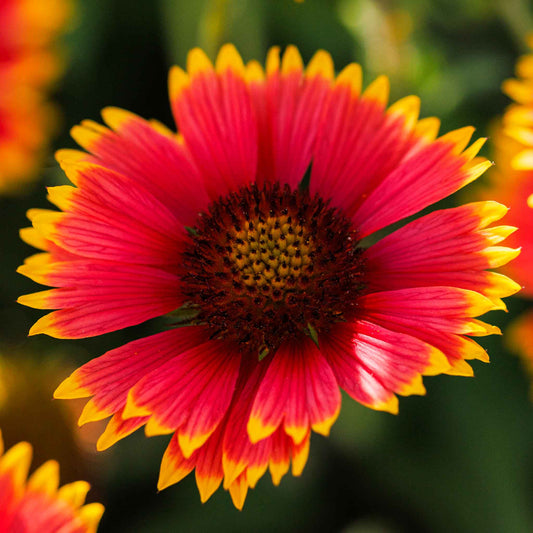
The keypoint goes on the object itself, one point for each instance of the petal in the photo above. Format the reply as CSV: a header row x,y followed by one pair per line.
x,y
289,106
117,428
239,453
431,173
207,461
419,253
190,393
110,377
359,143
283,449
98,297
300,390
372,363
110,217
154,160
436,315
214,113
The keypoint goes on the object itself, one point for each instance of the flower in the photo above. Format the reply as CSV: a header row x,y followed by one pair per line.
x,y
512,182
28,64
249,224
37,505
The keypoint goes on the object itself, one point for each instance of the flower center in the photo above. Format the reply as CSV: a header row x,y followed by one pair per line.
x,y
265,264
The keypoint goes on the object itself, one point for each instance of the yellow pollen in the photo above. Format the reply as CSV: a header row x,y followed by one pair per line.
x,y
272,254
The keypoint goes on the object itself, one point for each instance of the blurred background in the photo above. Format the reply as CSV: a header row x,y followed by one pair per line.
x,y
459,459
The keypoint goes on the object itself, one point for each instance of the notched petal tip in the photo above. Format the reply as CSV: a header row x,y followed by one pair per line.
x,y
116,117
321,64
134,410
45,479
17,462
324,427
62,196
178,81
171,471
92,413
198,62
352,77
154,428
238,491
229,59
428,128
207,486
415,387
257,430
46,325
460,368
190,443
90,515
408,108
297,433
74,493
458,138
273,60
498,256
391,405
254,72
291,61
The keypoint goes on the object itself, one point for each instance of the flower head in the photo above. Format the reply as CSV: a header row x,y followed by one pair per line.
x,y
28,63
37,505
253,224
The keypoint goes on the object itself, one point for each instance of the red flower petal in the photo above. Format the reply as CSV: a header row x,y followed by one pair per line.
x,y
98,297
189,393
289,106
298,389
372,363
155,159
214,113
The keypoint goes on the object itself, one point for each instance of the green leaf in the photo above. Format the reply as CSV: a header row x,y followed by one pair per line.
x,y
263,353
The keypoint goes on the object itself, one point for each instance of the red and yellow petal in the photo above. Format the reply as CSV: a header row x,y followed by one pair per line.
x,y
95,298
418,254
373,363
156,161
299,390
110,377
213,111
190,393
439,316
288,105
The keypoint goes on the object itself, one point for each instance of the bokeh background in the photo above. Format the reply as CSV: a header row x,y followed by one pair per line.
x,y
459,459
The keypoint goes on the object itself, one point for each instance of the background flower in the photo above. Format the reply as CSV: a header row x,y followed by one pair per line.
x,y
29,62
512,181
37,504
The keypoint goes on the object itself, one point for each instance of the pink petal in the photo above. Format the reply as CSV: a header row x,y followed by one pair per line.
x,y
152,159
214,113
191,392
300,390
